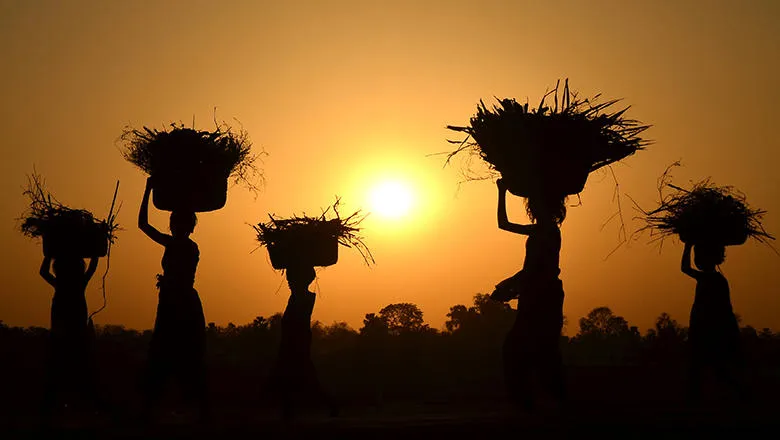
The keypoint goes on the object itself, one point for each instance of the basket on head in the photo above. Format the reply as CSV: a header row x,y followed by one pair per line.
x,y
83,241
66,232
552,148
311,241
307,249
191,168
565,179
707,215
196,190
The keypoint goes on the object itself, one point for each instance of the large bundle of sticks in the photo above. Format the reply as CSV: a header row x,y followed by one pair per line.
x,y
550,149
191,168
66,232
311,241
706,214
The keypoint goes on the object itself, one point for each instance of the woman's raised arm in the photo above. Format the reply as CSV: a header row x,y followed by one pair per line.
x,y
503,220
685,265
143,218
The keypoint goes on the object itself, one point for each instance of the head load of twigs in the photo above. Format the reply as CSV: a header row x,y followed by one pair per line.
x,y
225,151
61,226
309,239
705,214
551,142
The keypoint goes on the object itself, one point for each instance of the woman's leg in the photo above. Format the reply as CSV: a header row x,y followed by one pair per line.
x,y
695,370
158,368
517,368
194,379
52,379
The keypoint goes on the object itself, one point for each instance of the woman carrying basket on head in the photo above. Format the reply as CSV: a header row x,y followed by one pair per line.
x,y
178,342
533,342
297,245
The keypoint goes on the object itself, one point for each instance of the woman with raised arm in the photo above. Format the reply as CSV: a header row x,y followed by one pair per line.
x,y
533,342
178,341
713,331
70,364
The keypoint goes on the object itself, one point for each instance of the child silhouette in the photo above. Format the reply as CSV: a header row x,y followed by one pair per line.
x,y
713,331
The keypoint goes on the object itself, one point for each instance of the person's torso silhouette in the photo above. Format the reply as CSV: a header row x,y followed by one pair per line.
x,y
179,263
296,325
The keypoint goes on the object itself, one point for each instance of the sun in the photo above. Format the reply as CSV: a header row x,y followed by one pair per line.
x,y
391,199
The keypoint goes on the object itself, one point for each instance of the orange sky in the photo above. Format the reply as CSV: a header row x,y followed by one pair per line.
x,y
344,94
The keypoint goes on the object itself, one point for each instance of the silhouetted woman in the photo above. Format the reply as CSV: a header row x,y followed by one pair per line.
x,y
533,342
178,342
294,377
70,366
713,333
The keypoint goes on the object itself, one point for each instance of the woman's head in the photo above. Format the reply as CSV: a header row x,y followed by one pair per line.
x,y
183,222
706,256
546,209
299,277
65,267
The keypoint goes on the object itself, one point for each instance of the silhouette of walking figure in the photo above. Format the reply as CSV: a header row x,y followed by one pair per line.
x,y
294,376
70,367
177,347
714,332
533,342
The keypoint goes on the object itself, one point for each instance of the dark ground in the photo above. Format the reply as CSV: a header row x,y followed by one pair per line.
x,y
604,403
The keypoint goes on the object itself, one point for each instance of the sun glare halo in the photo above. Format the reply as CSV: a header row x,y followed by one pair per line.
x,y
391,199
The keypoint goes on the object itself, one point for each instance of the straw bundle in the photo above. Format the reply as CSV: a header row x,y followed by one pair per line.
x,y
550,149
191,168
311,240
223,150
707,214
65,231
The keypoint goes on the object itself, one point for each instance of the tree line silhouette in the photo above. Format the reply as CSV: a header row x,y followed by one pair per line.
x,y
396,357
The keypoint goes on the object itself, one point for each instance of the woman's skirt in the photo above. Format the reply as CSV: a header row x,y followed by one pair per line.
x,y
180,327
714,338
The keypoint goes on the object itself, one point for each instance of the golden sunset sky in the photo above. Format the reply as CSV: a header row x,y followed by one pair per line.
x,y
347,95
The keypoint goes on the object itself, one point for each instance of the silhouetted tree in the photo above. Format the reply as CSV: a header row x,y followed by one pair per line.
x,y
606,338
373,325
666,327
486,318
403,318
603,323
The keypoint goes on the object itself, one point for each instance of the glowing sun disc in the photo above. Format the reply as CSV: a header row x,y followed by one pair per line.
x,y
391,199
